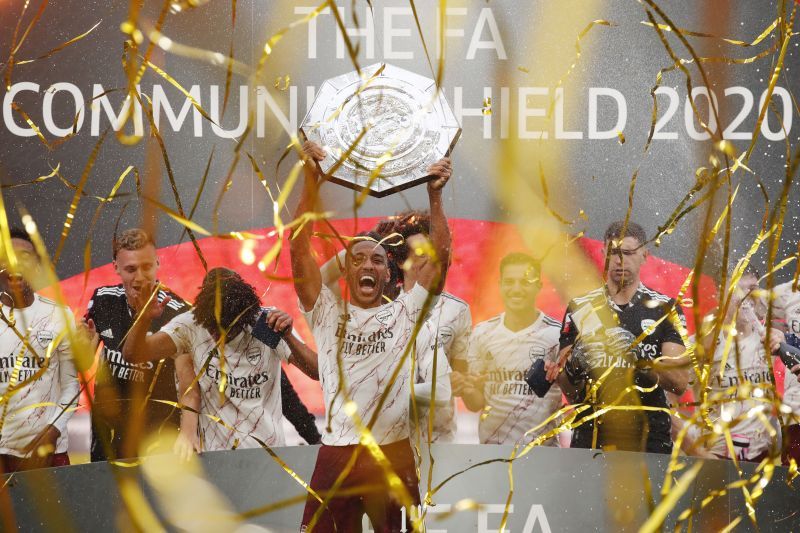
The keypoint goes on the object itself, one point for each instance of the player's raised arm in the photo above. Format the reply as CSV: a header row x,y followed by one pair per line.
x,y
432,274
139,346
307,278
567,378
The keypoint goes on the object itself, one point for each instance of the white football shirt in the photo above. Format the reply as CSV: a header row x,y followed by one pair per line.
x,y
502,357
50,391
450,324
250,407
359,351
429,353
750,436
786,306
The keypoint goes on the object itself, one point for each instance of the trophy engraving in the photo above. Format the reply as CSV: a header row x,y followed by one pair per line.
x,y
381,129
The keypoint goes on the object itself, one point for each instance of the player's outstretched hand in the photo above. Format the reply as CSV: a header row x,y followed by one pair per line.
x,y
43,446
776,337
475,382
458,382
441,171
313,151
88,331
702,453
149,307
186,445
551,369
279,321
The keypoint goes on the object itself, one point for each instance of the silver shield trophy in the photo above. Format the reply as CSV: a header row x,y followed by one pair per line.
x,y
392,122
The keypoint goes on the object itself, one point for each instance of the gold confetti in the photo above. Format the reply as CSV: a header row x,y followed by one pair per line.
x,y
282,82
487,106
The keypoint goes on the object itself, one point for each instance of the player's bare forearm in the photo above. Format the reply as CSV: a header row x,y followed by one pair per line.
x,y
440,229
306,274
140,347
303,357
672,368
567,387
189,397
472,392
555,373
189,422
675,381
188,390
433,273
190,419
332,272
473,399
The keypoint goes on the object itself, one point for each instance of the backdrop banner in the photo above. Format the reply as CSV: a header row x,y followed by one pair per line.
x,y
562,96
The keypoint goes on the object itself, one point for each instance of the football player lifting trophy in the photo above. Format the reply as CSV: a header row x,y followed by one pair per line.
x,y
380,128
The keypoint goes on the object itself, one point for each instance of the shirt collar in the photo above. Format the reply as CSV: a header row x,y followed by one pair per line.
x,y
635,299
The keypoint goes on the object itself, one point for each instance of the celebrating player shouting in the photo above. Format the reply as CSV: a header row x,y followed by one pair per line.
x,y
361,345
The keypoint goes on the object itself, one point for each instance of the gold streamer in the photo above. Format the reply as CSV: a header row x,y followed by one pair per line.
x,y
61,46
15,44
73,207
767,31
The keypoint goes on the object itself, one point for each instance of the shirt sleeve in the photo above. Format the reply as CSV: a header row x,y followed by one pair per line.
x,y
67,381
779,294
176,306
324,311
414,301
669,330
475,361
430,355
90,310
181,330
461,335
569,331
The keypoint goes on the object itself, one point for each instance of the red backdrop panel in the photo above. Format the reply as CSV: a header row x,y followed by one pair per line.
x,y
474,276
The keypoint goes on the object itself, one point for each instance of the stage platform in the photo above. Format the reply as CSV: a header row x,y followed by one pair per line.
x,y
553,490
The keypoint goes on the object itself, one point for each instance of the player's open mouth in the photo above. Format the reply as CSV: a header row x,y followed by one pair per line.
x,y
367,281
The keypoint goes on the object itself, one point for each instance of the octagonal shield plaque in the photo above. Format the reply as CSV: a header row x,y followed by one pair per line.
x,y
381,129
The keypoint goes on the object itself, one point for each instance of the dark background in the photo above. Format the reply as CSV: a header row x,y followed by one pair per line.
x,y
593,176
